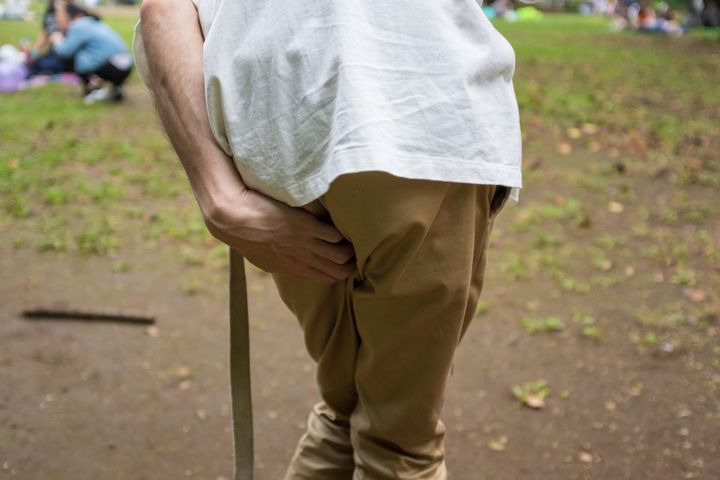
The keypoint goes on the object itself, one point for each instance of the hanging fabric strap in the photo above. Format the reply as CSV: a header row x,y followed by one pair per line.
x,y
240,370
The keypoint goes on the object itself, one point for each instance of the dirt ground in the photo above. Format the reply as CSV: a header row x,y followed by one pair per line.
x,y
82,400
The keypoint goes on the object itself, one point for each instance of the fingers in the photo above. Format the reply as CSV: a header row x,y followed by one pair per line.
x,y
323,231
338,271
327,241
339,253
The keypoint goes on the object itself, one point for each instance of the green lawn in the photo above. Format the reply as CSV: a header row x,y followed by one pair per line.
x,y
69,172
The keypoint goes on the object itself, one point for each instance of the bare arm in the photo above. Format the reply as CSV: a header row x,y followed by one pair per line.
x,y
268,233
40,42
173,43
61,15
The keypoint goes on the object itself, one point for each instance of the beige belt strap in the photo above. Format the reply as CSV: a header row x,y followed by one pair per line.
x,y
240,370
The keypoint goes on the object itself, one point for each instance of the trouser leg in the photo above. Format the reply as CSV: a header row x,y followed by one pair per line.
x,y
85,78
418,246
107,72
112,74
324,451
50,64
385,341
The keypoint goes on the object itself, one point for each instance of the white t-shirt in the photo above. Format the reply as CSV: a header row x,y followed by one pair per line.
x,y
300,92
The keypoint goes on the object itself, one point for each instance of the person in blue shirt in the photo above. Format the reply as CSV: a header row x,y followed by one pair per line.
x,y
40,60
95,49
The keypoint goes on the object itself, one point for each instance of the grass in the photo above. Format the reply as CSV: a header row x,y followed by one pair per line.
x,y
549,324
620,169
648,95
532,394
60,157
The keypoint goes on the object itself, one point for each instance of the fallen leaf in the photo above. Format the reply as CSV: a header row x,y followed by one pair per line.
x,y
564,148
590,128
695,294
182,373
585,457
532,305
535,401
499,444
573,133
605,265
684,412
694,164
559,200
532,394
616,207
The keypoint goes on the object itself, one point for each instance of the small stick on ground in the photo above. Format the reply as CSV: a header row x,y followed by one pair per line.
x,y
60,313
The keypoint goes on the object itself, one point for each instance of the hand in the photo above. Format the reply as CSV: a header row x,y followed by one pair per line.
x,y
282,239
56,37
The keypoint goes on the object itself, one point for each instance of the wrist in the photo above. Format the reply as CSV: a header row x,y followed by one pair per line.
x,y
223,205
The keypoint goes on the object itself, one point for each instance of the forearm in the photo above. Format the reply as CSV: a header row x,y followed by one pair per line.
x,y
41,41
269,233
174,47
61,16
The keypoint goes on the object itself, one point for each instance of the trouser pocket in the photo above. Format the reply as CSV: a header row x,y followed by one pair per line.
x,y
502,194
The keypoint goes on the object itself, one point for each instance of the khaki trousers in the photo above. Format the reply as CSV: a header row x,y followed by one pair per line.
x,y
384,340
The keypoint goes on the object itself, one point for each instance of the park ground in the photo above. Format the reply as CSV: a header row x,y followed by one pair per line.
x,y
594,353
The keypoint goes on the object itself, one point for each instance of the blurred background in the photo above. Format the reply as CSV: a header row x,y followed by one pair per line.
x,y
594,353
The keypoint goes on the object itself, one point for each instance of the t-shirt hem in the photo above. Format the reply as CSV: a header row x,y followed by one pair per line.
x,y
411,166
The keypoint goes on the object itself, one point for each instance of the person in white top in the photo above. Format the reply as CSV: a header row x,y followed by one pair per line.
x,y
360,151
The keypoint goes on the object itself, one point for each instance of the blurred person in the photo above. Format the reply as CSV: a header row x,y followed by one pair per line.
x,y
15,9
669,24
647,19
502,7
360,152
632,14
600,6
41,58
665,23
710,16
95,49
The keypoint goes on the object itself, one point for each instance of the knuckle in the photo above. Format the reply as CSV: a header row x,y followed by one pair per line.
x,y
334,236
